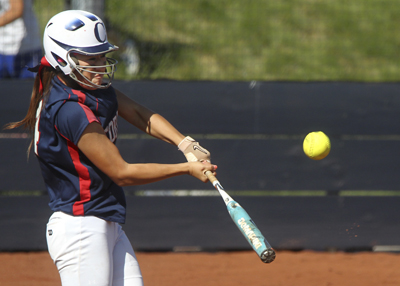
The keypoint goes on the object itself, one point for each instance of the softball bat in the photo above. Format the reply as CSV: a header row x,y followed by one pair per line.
x,y
245,224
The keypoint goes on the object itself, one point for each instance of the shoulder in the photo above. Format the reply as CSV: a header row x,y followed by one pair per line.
x,y
61,93
73,111
58,91
72,118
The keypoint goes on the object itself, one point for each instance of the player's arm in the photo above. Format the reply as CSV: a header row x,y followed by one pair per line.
x,y
147,121
15,11
105,155
157,126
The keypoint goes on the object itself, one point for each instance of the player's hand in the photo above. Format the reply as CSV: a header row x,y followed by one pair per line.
x,y
193,151
198,169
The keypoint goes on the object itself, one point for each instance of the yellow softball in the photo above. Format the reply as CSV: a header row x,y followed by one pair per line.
x,y
317,145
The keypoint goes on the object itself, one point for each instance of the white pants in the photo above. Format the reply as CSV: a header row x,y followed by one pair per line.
x,y
91,251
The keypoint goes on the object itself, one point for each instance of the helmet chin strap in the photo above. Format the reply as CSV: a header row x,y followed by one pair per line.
x,y
80,69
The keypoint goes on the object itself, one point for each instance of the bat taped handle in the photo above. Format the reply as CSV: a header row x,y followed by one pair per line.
x,y
211,177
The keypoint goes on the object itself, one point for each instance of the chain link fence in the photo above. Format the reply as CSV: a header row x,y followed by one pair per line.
x,y
236,40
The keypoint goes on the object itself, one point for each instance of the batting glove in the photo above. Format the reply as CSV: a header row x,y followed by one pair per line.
x,y
193,151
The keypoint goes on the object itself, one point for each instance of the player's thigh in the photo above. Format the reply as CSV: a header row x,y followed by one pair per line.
x,y
126,267
81,248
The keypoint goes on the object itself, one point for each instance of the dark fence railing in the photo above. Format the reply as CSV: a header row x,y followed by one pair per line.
x,y
254,131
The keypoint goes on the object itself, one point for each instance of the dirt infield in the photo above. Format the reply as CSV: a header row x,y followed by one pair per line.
x,y
227,268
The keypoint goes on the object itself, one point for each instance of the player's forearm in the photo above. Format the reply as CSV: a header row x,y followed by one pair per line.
x,y
160,128
16,11
140,174
147,120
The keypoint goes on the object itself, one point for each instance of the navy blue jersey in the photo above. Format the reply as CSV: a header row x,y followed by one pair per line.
x,y
75,185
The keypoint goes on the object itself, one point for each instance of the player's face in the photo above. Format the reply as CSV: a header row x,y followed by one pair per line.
x,y
91,71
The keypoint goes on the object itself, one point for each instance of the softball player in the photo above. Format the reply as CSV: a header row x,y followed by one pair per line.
x,y
73,119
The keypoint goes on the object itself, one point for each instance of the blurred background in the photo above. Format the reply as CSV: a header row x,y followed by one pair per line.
x,y
249,80
233,40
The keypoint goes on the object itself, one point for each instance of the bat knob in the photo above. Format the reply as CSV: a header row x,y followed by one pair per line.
x,y
268,255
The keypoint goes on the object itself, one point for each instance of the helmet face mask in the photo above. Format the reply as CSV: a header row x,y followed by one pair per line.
x,y
108,71
78,32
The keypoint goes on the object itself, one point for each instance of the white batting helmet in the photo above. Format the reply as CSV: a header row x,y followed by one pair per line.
x,y
76,31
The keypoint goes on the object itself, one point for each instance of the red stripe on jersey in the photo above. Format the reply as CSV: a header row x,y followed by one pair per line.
x,y
89,114
80,94
81,101
84,180
83,172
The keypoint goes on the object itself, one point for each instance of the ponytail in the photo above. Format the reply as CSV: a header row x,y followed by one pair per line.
x,y
41,89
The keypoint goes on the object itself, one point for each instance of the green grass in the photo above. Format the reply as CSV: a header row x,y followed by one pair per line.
x,y
378,193
22,193
289,40
45,9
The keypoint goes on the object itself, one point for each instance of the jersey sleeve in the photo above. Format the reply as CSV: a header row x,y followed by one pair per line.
x,y
72,119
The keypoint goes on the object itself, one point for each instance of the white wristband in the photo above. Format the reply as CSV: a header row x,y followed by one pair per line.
x,y
185,143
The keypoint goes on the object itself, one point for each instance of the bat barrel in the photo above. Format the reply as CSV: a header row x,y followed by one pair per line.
x,y
245,224
251,232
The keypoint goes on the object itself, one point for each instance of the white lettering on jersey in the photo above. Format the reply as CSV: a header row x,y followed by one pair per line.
x,y
37,133
112,129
